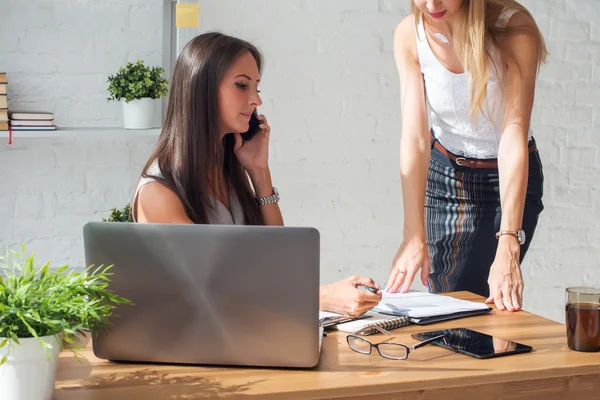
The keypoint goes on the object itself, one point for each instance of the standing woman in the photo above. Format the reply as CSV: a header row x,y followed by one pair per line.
x,y
474,64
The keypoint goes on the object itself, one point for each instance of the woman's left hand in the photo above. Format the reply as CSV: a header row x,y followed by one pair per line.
x,y
254,154
505,279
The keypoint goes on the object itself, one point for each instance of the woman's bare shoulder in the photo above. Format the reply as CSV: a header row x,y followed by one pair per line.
x,y
405,37
156,203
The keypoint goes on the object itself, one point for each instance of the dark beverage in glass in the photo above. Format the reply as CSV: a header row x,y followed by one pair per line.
x,y
583,318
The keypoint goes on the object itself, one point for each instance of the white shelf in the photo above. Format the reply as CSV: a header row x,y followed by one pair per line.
x,y
84,133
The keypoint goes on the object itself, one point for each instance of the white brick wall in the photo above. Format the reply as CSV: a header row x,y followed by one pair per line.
x,y
330,91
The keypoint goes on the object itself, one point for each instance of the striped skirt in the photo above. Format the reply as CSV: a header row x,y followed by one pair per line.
x,y
463,214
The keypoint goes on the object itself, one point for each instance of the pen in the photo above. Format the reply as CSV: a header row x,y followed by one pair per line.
x,y
370,289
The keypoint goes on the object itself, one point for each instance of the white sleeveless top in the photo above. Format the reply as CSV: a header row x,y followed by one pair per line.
x,y
448,98
219,215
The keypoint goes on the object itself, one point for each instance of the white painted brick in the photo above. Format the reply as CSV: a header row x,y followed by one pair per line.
x,y
363,43
10,38
394,7
140,152
569,31
331,93
545,8
34,205
581,157
581,176
69,179
7,205
566,72
101,17
583,52
20,16
40,41
334,6
588,94
582,139
581,10
596,73
568,117
141,18
595,35
571,195
544,25
548,92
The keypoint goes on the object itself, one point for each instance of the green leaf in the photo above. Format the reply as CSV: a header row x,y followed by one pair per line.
x,y
136,81
36,302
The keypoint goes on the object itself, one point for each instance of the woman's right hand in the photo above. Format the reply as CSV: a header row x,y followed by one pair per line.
x,y
411,256
343,297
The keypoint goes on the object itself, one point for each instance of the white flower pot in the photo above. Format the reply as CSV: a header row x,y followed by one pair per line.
x,y
29,374
138,114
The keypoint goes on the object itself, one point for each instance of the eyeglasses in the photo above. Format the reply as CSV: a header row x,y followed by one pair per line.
x,y
390,350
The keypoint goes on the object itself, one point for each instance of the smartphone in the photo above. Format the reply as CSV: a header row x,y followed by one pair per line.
x,y
253,129
473,343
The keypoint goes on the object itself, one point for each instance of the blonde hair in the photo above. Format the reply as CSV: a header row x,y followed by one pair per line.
x,y
476,35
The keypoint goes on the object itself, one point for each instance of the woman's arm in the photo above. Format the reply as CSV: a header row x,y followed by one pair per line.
x,y
343,297
415,144
157,204
261,180
506,284
414,160
254,156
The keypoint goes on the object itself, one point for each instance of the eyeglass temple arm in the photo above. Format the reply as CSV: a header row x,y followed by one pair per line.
x,y
426,342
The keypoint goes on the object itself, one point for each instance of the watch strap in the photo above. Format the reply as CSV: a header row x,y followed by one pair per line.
x,y
272,199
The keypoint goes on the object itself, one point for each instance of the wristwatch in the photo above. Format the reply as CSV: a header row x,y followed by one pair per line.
x,y
519,234
272,199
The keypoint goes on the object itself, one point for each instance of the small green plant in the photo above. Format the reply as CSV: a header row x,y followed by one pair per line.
x,y
136,81
37,302
117,215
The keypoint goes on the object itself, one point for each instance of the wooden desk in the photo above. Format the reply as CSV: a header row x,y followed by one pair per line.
x,y
550,372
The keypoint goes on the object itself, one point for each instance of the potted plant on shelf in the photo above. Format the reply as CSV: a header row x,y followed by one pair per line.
x,y
40,309
137,86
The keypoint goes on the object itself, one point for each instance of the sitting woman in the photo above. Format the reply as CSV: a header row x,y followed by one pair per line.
x,y
200,169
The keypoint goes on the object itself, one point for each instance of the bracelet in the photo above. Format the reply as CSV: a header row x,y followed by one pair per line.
x,y
272,199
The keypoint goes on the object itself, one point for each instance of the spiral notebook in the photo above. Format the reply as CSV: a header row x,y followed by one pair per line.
x,y
373,318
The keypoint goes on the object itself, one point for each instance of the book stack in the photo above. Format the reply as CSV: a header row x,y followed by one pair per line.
x,y
3,103
32,121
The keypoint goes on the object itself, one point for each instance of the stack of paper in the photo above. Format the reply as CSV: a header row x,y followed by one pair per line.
x,y
425,307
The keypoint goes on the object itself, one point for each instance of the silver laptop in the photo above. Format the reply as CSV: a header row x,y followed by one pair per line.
x,y
209,294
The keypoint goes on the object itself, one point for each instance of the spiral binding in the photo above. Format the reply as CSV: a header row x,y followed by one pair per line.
x,y
389,324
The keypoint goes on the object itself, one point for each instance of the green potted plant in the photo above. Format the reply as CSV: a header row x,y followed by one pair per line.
x,y
120,215
40,309
137,85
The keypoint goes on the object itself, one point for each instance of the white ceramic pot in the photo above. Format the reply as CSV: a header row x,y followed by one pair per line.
x,y
29,374
138,114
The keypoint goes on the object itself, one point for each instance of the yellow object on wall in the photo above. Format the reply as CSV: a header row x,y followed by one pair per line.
x,y
186,15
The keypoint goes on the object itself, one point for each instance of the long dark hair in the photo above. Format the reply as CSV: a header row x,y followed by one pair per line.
x,y
190,150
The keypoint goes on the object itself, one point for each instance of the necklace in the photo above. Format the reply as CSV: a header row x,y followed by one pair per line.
x,y
441,37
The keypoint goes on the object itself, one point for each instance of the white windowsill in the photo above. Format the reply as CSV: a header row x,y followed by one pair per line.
x,y
85,133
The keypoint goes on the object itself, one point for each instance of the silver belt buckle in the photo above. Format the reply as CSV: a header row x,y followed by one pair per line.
x,y
460,160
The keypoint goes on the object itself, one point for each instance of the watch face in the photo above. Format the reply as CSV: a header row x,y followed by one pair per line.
x,y
521,235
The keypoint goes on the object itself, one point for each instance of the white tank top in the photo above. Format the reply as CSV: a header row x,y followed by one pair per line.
x,y
448,98
219,215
